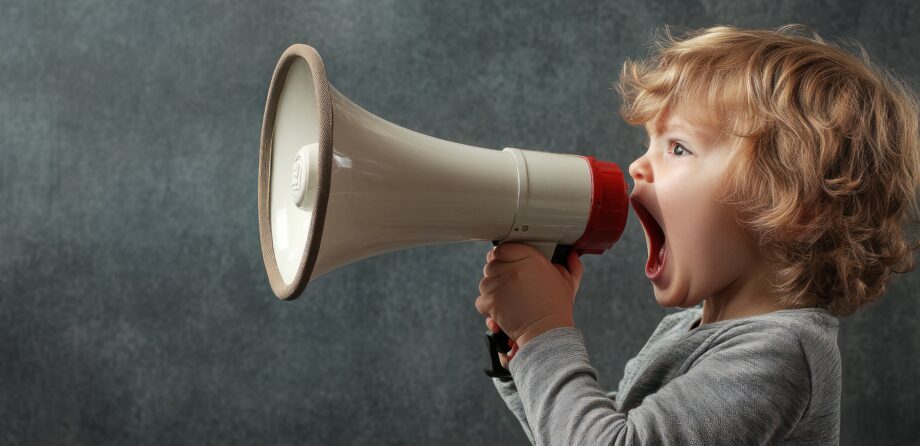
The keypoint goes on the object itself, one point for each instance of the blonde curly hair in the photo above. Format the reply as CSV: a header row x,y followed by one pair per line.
x,y
826,173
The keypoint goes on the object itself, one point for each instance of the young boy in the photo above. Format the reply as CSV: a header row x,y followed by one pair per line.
x,y
779,173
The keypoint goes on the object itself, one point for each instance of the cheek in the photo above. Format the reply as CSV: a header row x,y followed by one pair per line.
x,y
696,239
693,215
707,245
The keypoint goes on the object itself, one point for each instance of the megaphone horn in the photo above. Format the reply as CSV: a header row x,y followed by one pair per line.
x,y
338,184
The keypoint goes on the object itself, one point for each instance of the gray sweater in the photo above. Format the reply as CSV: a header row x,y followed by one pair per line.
x,y
767,379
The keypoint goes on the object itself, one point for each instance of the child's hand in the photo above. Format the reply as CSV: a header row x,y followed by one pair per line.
x,y
503,358
525,294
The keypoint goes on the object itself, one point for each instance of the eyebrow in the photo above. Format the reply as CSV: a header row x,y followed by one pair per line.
x,y
695,135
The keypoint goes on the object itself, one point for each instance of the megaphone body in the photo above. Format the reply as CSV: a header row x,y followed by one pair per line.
x,y
338,184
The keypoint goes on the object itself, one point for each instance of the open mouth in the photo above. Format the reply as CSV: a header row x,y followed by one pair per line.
x,y
655,238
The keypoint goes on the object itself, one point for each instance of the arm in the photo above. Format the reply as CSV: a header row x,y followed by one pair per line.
x,y
749,387
509,393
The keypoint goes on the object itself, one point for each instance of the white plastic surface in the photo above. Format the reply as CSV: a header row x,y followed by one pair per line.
x,y
304,167
555,198
393,188
295,128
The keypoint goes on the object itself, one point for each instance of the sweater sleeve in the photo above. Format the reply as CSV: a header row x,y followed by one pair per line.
x,y
748,387
509,393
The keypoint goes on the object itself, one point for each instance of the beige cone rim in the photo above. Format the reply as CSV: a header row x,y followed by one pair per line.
x,y
288,291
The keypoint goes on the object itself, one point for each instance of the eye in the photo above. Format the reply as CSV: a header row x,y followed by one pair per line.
x,y
679,150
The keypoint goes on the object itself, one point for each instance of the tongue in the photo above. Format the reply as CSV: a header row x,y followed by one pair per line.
x,y
656,259
659,257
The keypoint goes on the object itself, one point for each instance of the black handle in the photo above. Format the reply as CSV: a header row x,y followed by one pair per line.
x,y
499,342
561,255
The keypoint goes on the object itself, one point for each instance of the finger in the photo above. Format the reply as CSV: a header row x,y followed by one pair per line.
x,y
504,360
511,353
563,272
488,285
514,252
490,256
576,268
494,270
484,305
493,326
489,269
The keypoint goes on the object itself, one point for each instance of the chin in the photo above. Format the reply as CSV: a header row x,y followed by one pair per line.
x,y
673,298
666,299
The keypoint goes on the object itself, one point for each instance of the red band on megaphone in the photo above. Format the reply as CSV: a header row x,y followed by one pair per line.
x,y
609,208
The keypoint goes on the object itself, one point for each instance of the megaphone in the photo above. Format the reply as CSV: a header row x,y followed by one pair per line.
x,y
338,184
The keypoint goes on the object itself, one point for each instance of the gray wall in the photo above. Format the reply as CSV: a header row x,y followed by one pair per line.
x,y
134,308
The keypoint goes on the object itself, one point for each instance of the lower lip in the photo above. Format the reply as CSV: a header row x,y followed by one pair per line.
x,y
653,272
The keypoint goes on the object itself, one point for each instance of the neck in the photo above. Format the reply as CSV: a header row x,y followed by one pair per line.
x,y
745,297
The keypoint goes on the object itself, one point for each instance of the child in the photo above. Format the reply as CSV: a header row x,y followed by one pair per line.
x,y
779,173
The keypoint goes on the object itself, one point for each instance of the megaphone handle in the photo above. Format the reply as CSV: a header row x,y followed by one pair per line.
x,y
499,341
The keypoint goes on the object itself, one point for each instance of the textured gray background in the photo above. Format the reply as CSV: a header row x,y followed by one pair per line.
x,y
135,308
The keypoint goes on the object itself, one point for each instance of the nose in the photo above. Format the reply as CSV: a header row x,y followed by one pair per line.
x,y
640,169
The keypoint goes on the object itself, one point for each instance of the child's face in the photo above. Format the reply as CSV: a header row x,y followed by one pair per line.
x,y
706,253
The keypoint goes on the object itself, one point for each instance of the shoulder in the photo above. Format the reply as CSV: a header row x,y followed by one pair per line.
x,y
787,345
805,330
792,353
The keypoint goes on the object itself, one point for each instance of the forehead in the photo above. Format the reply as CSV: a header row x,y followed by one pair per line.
x,y
698,124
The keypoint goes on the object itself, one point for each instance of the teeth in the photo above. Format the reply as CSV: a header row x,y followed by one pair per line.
x,y
661,254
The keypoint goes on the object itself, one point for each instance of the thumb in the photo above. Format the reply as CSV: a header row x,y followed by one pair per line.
x,y
576,268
